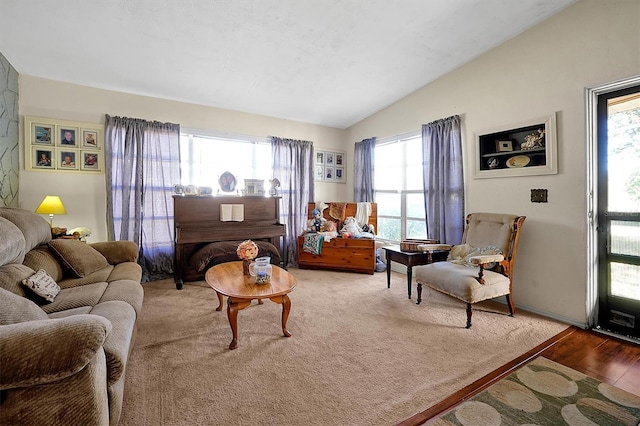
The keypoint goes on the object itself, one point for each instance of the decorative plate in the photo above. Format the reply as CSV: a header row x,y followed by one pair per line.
x,y
518,161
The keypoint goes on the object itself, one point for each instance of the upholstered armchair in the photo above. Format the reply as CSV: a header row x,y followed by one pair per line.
x,y
481,267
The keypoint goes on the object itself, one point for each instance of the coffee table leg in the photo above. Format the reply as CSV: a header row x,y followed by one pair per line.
x,y
419,294
409,275
220,301
286,308
233,306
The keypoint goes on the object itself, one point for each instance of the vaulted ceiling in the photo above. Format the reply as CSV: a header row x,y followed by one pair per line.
x,y
328,62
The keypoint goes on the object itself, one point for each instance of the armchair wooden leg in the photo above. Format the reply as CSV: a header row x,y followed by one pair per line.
x,y
512,307
469,312
419,294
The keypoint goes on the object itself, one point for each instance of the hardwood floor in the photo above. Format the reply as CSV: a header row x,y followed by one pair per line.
x,y
605,358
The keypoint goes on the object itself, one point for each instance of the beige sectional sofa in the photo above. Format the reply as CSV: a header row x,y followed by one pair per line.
x,y
63,362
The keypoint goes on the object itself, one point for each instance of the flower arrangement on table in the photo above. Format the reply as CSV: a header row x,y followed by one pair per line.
x,y
247,251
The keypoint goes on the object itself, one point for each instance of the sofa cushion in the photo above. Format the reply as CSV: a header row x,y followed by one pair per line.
x,y
34,227
12,243
125,271
16,309
96,277
68,298
70,312
11,277
43,285
116,346
41,257
125,290
79,257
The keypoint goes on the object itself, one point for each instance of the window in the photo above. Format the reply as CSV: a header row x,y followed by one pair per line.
x,y
399,187
206,155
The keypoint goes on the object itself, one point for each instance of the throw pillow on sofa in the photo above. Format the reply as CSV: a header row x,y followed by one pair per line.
x,y
77,256
43,285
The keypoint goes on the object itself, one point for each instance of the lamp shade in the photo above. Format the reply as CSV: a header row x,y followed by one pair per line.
x,y
51,205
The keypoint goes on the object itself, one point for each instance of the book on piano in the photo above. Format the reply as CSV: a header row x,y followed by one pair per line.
x,y
231,212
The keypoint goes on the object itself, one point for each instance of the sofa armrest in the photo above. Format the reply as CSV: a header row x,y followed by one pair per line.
x,y
44,351
117,251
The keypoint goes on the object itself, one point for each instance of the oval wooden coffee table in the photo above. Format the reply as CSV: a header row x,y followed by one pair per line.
x,y
227,279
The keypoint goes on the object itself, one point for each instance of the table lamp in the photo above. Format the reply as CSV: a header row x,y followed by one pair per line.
x,y
51,205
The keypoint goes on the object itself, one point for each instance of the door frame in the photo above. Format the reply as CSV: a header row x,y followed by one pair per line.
x,y
591,111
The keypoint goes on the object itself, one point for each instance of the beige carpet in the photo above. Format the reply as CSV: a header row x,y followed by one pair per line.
x,y
359,354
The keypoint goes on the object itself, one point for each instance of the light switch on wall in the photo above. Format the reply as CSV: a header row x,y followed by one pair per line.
x,y
538,195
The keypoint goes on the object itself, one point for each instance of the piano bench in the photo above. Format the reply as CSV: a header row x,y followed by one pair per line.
x,y
225,251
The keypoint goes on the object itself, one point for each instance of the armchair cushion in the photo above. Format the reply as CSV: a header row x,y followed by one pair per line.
x,y
79,257
460,281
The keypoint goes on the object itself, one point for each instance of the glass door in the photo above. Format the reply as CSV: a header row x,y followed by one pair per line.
x,y
619,211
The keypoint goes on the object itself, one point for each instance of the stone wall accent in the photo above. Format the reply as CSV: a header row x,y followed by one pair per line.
x,y
9,155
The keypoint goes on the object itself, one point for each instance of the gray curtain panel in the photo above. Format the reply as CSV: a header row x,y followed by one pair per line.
x,y
142,165
293,167
443,180
363,170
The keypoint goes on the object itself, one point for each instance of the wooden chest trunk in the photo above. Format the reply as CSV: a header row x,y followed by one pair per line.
x,y
343,254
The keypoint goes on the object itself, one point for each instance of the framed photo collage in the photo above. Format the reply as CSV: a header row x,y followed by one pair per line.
x,y
330,166
56,145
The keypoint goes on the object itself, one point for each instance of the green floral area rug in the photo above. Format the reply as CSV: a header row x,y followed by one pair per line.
x,y
544,392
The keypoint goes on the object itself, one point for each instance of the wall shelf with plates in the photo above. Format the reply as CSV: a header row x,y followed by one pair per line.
x,y
522,149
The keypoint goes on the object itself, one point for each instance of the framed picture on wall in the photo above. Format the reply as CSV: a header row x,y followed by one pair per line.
x,y
329,173
63,146
90,160
42,157
42,134
330,158
67,136
67,159
330,166
89,138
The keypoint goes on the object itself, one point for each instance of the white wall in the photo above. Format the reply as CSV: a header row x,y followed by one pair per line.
x,y
84,195
543,70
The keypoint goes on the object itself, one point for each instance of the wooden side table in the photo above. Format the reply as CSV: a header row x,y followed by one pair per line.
x,y
411,259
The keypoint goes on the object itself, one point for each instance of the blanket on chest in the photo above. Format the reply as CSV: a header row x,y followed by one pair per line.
x,y
313,243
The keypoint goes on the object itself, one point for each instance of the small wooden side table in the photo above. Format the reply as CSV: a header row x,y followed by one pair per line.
x,y
411,259
227,279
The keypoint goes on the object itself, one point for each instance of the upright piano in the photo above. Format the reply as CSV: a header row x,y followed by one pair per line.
x,y
197,223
